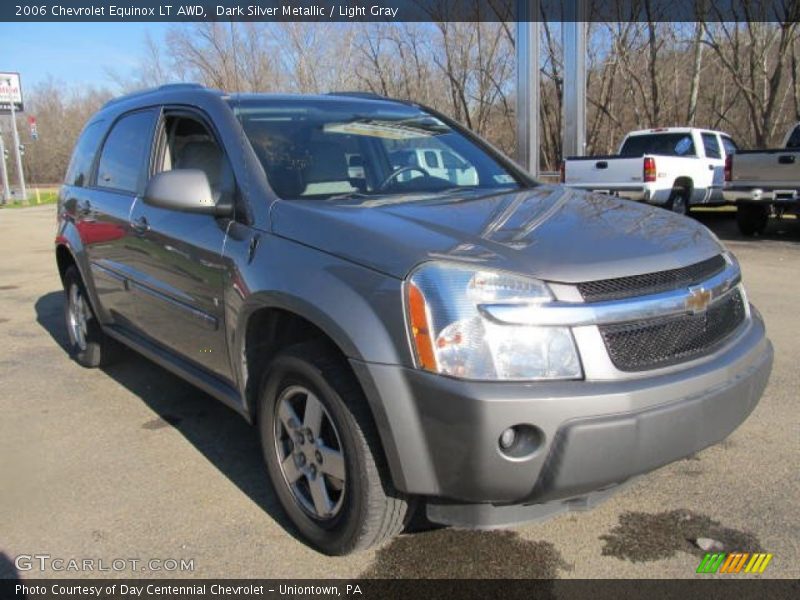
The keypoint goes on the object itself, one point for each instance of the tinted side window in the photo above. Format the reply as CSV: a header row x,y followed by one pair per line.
x,y
711,145
729,145
83,156
794,139
125,153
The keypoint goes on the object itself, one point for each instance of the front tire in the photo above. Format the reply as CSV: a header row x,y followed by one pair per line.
x,y
323,455
88,344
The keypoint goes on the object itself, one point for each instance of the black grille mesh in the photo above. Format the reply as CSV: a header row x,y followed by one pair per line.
x,y
651,283
661,342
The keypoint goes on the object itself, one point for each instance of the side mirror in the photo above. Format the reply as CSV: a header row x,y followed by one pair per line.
x,y
186,190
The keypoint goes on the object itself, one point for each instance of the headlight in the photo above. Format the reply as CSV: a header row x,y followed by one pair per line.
x,y
451,336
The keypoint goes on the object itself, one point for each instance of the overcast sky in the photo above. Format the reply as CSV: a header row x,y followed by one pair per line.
x,y
75,53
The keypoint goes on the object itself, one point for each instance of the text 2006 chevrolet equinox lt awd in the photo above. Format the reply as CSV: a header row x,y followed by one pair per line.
x,y
412,323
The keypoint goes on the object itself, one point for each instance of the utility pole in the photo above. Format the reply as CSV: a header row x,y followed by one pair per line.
x,y
527,47
15,134
4,171
573,34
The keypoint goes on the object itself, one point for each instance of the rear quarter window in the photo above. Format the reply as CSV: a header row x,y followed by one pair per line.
x,y
431,159
80,165
729,145
794,139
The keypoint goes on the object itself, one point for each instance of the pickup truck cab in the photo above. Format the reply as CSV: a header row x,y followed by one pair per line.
x,y
444,164
762,182
482,353
673,167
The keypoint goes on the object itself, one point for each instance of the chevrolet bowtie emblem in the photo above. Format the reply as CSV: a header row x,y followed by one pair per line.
x,y
698,300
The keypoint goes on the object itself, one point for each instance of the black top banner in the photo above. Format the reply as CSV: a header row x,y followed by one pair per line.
x,y
400,10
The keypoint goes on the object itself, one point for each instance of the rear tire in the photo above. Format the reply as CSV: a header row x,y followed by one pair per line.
x,y
679,201
88,344
752,219
329,472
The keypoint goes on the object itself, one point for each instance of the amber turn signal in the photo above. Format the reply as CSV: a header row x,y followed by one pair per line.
x,y
420,328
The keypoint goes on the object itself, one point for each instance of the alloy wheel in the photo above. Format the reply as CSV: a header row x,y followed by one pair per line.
x,y
78,315
310,453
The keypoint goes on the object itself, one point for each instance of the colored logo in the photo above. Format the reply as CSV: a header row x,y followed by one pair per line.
x,y
734,562
698,300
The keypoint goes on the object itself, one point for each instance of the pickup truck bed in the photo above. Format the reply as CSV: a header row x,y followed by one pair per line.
x,y
670,167
764,173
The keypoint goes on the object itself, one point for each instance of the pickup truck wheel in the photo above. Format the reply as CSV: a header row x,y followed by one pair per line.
x,y
323,455
678,202
752,218
88,345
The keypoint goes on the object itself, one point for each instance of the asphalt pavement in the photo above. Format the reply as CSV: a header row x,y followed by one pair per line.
x,y
131,462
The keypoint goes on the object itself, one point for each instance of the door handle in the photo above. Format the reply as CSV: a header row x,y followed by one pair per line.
x,y
786,159
601,164
141,225
710,167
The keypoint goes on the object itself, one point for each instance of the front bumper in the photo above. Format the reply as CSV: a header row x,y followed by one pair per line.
x,y
441,434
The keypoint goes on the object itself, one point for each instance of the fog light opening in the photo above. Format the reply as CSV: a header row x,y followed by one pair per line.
x,y
520,441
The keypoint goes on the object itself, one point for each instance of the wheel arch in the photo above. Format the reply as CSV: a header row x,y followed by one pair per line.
x,y
271,322
70,251
684,182
64,260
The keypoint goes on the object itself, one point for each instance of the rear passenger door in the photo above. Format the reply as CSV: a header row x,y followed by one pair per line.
x,y
103,209
179,266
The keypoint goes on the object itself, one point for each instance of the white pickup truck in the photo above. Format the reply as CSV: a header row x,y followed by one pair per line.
x,y
673,167
761,182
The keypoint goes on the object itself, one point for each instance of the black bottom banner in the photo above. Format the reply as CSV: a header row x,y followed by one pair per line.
x,y
451,589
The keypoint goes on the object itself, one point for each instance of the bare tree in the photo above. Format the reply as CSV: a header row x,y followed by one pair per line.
x,y
754,55
697,63
60,113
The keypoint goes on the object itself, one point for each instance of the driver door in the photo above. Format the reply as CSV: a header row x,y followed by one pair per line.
x,y
179,264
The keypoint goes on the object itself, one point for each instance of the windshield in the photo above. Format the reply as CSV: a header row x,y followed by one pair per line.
x,y
665,144
324,148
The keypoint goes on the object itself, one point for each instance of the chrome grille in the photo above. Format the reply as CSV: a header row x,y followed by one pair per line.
x,y
661,342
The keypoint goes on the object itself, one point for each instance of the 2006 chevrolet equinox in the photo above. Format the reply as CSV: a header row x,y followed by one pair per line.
x,y
411,321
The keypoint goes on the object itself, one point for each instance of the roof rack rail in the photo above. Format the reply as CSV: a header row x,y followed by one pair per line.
x,y
356,94
161,88
178,86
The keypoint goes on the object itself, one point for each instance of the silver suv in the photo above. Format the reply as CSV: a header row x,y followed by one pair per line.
x,y
458,341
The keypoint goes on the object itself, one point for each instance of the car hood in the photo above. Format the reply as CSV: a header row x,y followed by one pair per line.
x,y
549,232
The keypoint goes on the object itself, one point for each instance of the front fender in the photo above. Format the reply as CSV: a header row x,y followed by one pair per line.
x,y
359,309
